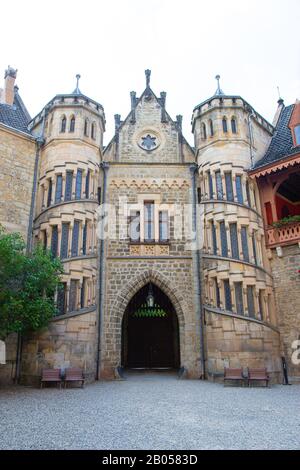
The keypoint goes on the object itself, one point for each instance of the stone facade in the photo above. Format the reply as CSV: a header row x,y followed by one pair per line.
x,y
156,190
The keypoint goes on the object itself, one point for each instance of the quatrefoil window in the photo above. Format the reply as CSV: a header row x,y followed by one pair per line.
x,y
148,142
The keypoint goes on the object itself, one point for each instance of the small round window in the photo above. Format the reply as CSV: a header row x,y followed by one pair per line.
x,y
148,141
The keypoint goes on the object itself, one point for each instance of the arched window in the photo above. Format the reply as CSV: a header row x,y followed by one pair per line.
x,y
297,134
233,125
203,128
63,124
93,131
86,127
72,124
211,128
224,124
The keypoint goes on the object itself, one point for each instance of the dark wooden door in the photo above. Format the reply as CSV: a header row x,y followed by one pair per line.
x,y
151,342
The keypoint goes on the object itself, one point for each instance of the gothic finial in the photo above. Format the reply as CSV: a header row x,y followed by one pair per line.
x,y
77,91
219,91
148,74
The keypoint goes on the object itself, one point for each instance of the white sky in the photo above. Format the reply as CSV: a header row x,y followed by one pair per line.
x,y
253,44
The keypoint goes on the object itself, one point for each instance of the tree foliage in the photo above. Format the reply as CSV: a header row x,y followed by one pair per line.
x,y
27,285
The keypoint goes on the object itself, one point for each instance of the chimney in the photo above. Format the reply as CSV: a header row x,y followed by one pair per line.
x,y
9,92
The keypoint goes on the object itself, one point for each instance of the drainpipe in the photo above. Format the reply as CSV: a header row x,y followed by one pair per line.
x,y
198,262
105,167
29,245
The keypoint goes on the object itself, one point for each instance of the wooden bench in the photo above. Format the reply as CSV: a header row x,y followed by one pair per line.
x,y
74,375
233,374
259,375
51,375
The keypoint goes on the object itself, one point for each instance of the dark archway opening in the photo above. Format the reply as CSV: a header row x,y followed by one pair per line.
x,y
150,334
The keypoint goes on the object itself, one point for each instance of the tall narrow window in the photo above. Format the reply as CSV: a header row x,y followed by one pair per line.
x,y
224,245
214,238
219,185
210,185
134,226
58,189
250,301
82,293
49,198
61,298
93,131
99,195
224,125
78,184
248,193
45,239
87,184
54,241
211,128
63,124
163,226
254,247
86,127
69,183
149,220
234,241
227,295
72,124
245,249
75,238
261,303
203,128
233,126
73,295
199,196
239,189
84,237
229,188
218,297
64,240
238,287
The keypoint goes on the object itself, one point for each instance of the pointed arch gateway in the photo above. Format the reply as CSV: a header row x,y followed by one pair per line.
x,y
149,339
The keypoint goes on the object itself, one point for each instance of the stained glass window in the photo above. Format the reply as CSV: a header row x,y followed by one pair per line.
x,y
64,240
148,142
58,189
229,188
238,287
245,250
219,185
210,185
75,238
224,245
69,182
61,298
234,241
239,190
54,241
78,184
73,295
227,294
250,301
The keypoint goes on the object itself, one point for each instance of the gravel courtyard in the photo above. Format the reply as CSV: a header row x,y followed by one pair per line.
x,y
150,411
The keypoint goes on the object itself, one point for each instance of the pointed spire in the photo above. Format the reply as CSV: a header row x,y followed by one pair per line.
x,y
280,99
77,91
219,91
148,75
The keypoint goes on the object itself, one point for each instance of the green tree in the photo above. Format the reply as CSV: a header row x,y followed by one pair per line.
x,y
27,285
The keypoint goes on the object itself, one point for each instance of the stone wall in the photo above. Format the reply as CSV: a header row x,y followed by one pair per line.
x,y
237,342
285,270
68,342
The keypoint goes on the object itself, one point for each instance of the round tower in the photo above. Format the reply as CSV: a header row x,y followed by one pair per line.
x,y
72,126
238,294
